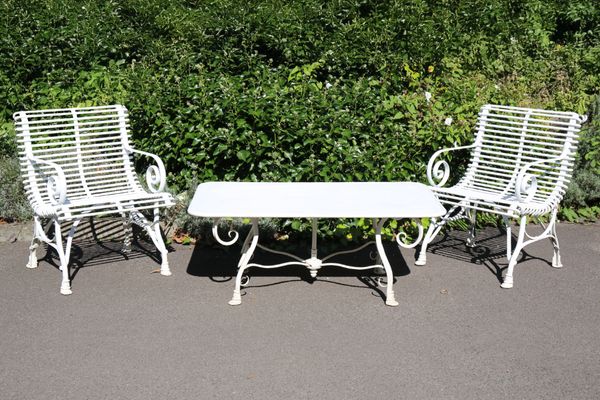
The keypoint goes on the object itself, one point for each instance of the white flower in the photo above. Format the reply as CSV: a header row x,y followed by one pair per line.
x,y
328,85
427,96
448,121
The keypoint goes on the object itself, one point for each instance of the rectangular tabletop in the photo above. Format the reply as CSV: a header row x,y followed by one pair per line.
x,y
315,200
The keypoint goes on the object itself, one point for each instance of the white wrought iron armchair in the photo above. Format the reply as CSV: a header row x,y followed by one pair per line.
x,y
77,163
521,163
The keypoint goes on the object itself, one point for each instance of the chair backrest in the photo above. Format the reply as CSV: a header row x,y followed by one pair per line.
x,y
89,144
508,138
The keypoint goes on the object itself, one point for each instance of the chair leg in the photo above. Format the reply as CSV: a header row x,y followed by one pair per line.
x,y
153,230
128,232
35,242
64,255
508,236
508,278
472,215
434,228
556,263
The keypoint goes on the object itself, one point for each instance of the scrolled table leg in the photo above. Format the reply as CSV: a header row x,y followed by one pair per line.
x,y
243,264
390,299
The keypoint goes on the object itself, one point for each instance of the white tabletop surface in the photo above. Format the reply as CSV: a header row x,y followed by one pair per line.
x,y
315,200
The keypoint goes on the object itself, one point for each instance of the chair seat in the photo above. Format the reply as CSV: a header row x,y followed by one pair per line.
x,y
96,205
495,202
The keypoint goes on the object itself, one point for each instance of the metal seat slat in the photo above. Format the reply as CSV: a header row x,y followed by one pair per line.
x,y
556,138
87,131
519,126
68,117
57,141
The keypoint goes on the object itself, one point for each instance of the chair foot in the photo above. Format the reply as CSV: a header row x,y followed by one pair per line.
x,y
32,264
165,270
508,283
65,289
556,263
422,260
391,301
236,300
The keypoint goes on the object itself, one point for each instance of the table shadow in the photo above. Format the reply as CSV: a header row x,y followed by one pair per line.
x,y
219,264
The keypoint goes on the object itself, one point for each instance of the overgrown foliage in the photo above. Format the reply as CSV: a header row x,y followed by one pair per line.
x,y
304,90
13,204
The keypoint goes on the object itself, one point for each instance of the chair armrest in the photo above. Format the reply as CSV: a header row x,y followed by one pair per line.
x,y
55,184
156,175
526,184
440,170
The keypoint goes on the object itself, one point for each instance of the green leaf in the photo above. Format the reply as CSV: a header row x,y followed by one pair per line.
x,y
243,155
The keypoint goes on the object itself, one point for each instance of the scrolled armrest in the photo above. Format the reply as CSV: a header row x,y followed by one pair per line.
x,y
56,185
440,170
156,175
526,183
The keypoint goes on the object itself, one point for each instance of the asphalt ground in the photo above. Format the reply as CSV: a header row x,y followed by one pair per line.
x,y
129,333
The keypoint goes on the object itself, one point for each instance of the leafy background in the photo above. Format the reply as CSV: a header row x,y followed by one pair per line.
x,y
304,90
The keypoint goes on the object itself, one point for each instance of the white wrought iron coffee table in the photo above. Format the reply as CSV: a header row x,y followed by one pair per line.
x,y
379,201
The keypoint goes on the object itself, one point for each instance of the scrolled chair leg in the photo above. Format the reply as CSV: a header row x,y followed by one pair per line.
x,y
33,261
65,286
508,281
165,270
128,232
156,236
432,231
35,242
472,215
64,255
422,259
153,231
556,262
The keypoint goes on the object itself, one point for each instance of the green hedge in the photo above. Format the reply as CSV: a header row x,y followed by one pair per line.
x,y
304,90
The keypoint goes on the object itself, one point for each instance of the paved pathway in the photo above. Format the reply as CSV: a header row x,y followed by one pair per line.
x,y
127,333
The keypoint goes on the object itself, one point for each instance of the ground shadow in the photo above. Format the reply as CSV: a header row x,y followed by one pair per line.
x,y
489,249
99,242
219,264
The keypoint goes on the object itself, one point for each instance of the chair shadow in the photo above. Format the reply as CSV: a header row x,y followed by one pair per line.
x,y
489,249
100,242
219,264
